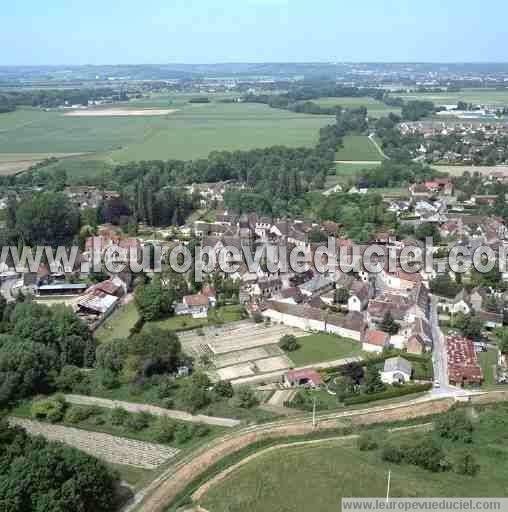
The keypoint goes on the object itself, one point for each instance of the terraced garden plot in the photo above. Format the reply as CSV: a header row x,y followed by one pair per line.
x,y
116,450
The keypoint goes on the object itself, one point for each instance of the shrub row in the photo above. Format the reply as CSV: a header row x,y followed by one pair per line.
x,y
389,393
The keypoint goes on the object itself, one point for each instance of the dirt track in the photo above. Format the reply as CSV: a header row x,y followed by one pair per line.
x,y
164,490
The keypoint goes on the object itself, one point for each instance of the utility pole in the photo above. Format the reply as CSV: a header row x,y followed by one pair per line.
x,y
388,485
314,413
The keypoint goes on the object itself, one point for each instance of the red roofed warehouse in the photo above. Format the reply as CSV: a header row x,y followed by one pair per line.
x,y
463,367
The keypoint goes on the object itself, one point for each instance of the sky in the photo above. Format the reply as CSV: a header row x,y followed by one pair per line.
x,y
35,32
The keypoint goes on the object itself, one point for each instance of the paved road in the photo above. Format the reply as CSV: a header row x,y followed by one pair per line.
x,y
439,357
152,409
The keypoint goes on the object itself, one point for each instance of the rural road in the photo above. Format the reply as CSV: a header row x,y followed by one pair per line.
x,y
162,491
372,138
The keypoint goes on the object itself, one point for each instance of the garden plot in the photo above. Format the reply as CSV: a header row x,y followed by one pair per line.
x,y
273,364
237,371
232,358
240,336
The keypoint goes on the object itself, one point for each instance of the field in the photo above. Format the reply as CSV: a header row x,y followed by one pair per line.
x,y
295,479
475,96
318,348
190,131
119,324
375,108
358,148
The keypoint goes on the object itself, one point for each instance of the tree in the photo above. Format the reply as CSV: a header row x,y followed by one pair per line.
x,y
153,300
470,326
373,382
289,343
443,285
428,230
223,389
40,475
341,296
388,324
48,219
244,397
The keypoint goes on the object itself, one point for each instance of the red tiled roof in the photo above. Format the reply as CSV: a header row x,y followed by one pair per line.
x,y
463,364
375,338
196,300
299,375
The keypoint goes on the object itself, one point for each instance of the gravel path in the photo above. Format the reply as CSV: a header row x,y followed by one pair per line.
x,y
152,409
117,450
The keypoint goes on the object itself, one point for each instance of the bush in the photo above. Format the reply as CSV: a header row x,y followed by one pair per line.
x,y
72,379
392,453
183,434
77,413
108,379
223,389
166,387
367,442
244,397
427,454
389,393
118,416
289,343
51,409
465,464
165,430
454,425
137,422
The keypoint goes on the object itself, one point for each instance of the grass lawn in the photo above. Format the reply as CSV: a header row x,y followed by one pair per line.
x,y
137,478
318,348
358,147
375,108
487,361
295,479
119,324
224,314
352,169
193,131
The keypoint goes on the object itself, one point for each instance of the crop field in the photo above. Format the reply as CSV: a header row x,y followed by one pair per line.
x,y
296,478
475,96
375,108
358,148
188,131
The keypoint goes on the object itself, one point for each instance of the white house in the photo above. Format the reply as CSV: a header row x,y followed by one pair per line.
x,y
397,370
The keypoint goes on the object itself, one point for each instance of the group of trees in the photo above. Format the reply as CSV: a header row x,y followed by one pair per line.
x,y
153,351
52,98
39,475
35,344
360,214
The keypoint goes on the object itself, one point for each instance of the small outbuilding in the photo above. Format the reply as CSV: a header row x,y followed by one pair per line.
x,y
397,370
